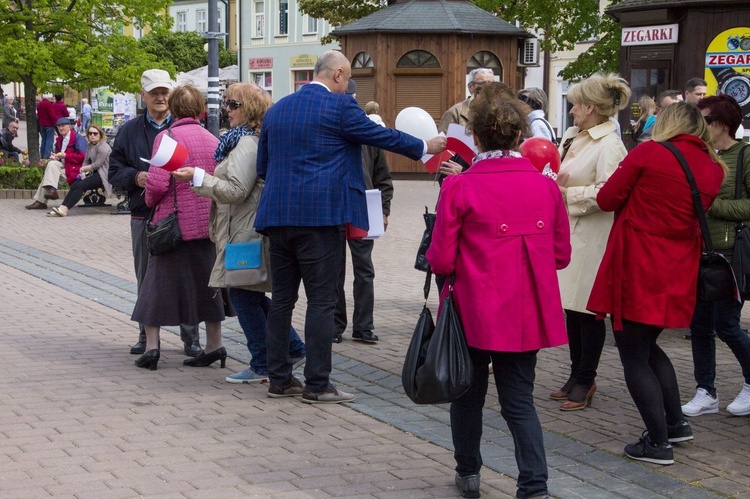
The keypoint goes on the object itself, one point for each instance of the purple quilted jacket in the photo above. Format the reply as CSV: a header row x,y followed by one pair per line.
x,y
192,210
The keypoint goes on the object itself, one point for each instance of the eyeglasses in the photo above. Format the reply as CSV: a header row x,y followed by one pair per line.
x,y
232,104
93,133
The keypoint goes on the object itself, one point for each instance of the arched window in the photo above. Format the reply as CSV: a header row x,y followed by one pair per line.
x,y
486,59
362,60
418,59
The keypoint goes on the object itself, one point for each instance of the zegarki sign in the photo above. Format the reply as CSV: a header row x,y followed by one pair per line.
x,y
650,35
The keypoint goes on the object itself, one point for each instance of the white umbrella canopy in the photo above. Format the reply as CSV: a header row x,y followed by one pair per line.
x,y
199,77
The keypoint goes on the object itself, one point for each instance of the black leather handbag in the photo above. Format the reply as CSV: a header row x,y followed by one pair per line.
x,y
716,279
165,235
438,367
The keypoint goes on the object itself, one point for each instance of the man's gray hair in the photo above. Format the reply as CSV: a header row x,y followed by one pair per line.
x,y
328,62
477,71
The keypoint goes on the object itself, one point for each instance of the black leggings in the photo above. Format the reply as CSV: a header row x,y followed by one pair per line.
x,y
76,191
586,339
650,377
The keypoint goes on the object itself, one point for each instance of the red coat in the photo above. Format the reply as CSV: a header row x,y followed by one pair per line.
x,y
45,113
502,227
650,267
60,110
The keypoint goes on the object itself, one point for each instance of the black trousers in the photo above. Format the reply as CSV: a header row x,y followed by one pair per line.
x,y
364,287
311,256
586,337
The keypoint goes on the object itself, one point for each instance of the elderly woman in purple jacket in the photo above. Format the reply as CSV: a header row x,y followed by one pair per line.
x,y
175,287
502,229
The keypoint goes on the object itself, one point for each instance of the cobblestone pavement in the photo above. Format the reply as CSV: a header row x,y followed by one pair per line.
x,y
79,420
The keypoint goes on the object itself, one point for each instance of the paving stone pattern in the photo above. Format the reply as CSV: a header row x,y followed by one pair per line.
x,y
79,420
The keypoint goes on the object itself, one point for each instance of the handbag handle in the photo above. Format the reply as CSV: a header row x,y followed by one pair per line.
x,y
171,181
695,193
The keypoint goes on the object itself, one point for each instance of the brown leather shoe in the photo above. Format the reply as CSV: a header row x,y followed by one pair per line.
x,y
51,193
577,406
36,205
562,393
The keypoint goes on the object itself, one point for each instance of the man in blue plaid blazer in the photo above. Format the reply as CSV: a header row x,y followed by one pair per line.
x,y
310,157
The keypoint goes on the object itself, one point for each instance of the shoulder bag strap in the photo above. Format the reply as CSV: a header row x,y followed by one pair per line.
x,y
549,127
695,193
738,183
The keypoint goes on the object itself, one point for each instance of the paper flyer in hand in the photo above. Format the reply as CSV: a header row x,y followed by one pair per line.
x,y
169,156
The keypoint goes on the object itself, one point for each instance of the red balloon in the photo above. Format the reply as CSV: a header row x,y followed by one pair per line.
x,y
540,152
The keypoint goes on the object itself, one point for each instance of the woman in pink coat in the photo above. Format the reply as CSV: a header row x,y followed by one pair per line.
x,y
502,229
175,288
647,278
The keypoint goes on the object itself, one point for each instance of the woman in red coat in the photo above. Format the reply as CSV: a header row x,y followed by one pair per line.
x,y
647,278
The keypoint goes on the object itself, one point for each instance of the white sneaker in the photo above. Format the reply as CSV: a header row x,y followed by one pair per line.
x,y
704,403
741,405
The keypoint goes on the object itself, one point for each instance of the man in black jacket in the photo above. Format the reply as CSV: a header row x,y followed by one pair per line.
x,y
134,141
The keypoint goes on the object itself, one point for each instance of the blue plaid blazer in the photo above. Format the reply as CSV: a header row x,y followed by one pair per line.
x,y
310,157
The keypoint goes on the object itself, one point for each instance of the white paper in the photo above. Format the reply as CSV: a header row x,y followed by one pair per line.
x,y
374,214
459,132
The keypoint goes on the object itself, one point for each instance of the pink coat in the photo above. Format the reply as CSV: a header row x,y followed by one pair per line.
x,y
502,227
192,210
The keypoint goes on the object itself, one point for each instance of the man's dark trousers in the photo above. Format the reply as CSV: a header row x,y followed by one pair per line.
x,y
311,255
364,287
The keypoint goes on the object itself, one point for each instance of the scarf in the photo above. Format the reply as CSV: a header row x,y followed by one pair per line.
x,y
229,141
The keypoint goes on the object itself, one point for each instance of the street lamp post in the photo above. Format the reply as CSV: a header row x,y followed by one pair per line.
x,y
213,66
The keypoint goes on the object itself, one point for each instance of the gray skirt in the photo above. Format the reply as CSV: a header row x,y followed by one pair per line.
x,y
175,288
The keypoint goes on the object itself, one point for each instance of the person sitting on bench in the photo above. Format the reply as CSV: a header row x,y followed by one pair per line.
x,y
93,173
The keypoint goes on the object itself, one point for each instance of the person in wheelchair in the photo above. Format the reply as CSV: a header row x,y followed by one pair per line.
x,y
93,173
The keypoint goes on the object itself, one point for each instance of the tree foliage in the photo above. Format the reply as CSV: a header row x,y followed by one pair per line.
x,y
604,55
184,49
54,44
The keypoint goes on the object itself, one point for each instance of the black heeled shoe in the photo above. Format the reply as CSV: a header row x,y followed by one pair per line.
x,y
149,360
204,359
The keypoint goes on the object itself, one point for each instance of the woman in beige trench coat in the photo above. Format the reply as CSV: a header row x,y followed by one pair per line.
x,y
591,152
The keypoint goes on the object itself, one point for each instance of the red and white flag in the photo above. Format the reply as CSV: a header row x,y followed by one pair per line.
x,y
169,156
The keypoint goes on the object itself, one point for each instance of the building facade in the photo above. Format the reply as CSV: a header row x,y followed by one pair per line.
x,y
192,15
278,45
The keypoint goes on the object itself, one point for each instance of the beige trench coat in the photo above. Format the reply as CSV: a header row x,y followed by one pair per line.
x,y
592,157
235,191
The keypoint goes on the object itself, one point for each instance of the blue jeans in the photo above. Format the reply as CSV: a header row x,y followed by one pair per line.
x,y
48,139
722,319
252,310
313,256
514,376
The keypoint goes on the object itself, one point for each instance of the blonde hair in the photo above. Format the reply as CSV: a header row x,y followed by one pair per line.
x,y
372,107
255,102
84,101
684,118
607,93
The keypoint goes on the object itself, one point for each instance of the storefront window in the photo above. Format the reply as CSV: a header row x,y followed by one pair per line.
x,y
301,78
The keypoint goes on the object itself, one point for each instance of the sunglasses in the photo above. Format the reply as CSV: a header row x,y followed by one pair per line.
x,y
709,119
93,133
232,104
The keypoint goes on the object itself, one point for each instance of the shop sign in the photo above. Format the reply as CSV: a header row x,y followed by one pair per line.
x,y
650,35
728,66
304,61
260,63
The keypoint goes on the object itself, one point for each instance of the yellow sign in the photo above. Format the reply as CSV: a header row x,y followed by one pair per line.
x,y
304,61
728,66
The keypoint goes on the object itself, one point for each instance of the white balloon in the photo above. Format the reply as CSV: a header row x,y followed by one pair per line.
x,y
416,122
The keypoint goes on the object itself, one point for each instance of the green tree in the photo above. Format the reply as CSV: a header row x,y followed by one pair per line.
x,y
184,49
604,55
49,45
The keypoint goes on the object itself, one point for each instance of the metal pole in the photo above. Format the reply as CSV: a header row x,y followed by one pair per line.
x,y
213,67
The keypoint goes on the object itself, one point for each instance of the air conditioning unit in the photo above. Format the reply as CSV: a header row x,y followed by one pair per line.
x,y
529,53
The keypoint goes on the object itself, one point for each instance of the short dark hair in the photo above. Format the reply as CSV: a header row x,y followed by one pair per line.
x,y
186,101
672,94
498,122
59,97
695,82
724,110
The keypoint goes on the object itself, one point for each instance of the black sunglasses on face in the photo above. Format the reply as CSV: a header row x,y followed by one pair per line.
x,y
709,119
232,104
